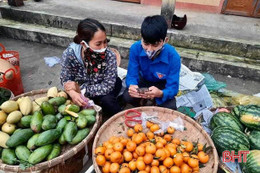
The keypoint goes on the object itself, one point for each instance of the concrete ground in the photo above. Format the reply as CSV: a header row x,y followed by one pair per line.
x,y
36,74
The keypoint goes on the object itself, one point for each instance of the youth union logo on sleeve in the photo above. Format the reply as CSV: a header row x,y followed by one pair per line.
x,y
160,75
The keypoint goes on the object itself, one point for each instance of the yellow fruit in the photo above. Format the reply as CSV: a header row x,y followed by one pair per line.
x,y
37,103
52,92
62,94
3,117
9,106
14,117
25,105
3,138
8,128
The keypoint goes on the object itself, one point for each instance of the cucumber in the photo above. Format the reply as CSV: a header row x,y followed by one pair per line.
x,y
26,121
70,131
31,142
40,154
9,157
49,122
47,108
57,101
81,121
22,152
56,150
48,137
19,137
62,123
36,121
81,134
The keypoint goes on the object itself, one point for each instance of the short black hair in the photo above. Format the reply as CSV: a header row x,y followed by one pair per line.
x,y
154,29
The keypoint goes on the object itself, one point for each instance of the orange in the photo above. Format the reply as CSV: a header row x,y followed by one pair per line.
x,y
155,162
140,151
176,141
110,145
148,168
116,157
140,158
132,165
100,150
171,145
108,153
143,135
200,147
186,156
135,155
163,141
150,135
175,169
185,168
159,145
142,172
138,128
101,160
163,169
125,165
196,169
160,154
114,167
167,137
148,158
106,143
189,146
124,170
149,124
150,148
155,169
106,167
154,127
178,159
137,138
170,130
128,156
168,154
172,151
130,132
193,162
131,146
118,146
114,139
140,165
168,162
203,157
124,141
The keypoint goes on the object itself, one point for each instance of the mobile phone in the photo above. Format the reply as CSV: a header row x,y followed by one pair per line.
x,y
142,90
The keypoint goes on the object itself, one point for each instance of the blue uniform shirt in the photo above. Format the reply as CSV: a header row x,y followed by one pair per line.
x,y
166,66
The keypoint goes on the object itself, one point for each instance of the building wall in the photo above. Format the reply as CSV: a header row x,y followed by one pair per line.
x,y
213,6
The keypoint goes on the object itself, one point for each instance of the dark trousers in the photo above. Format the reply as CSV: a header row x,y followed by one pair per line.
x,y
171,103
109,103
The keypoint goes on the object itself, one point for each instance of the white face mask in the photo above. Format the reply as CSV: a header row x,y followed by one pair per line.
x,y
97,51
152,54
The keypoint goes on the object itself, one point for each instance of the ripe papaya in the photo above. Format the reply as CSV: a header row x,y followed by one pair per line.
x,y
14,117
25,105
9,106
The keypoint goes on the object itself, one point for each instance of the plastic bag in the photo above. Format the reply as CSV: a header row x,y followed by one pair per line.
x,y
11,78
212,84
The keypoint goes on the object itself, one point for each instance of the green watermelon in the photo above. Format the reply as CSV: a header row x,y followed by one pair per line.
x,y
254,140
250,117
252,164
236,110
226,138
225,119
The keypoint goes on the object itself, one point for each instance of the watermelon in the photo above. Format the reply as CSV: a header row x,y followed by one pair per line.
x,y
226,138
225,119
250,117
252,164
236,110
254,140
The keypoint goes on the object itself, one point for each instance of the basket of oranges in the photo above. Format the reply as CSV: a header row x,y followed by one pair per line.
x,y
120,148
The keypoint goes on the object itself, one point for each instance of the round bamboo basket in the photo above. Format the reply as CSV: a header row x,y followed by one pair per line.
x,y
115,126
69,152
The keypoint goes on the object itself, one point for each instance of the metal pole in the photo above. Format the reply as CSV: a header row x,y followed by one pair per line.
x,y
167,10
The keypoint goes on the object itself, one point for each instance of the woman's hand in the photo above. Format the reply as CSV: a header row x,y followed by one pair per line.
x,y
132,90
71,85
154,92
77,98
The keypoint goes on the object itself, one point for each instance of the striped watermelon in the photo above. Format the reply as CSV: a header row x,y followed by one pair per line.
x,y
225,119
250,117
254,140
226,138
236,110
252,164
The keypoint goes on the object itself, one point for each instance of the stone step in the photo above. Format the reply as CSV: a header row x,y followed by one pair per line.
x,y
237,47
196,60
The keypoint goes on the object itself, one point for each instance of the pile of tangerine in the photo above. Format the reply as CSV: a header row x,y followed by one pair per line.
x,y
150,153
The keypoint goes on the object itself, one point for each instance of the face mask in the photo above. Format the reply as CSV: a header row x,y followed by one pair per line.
x,y
97,51
152,54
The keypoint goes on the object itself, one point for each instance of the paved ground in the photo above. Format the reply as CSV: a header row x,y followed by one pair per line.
x,y
36,74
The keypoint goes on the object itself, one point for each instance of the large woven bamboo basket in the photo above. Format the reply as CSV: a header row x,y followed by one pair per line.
x,y
67,161
115,126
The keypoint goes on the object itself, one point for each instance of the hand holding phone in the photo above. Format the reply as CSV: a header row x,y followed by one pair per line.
x,y
142,90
